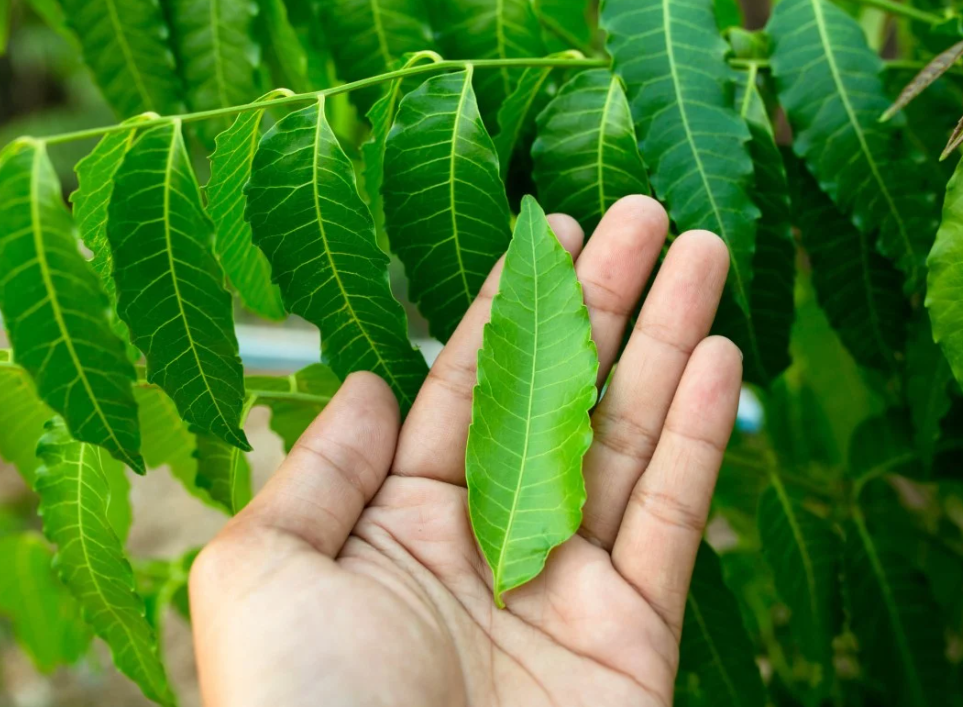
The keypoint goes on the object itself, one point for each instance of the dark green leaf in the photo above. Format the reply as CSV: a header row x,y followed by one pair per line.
x,y
170,287
728,14
55,311
530,410
445,205
586,155
884,445
567,23
125,44
673,62
828,82
304,208
928,376
283,46
74,501
5,20
295,400
932,71
945,279
223,470
245,265
22,417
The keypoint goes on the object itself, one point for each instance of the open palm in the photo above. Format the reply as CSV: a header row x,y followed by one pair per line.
x,y
354,578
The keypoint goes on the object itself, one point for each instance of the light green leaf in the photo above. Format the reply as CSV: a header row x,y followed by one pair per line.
x,y
945,279
22,417
163,584
223,470
530,410
125,45
74,501
673,62
284,47
304,208
45,617
928,376
445,205
715,646
245,265
586,155
295,400
829,84
55,311
568,23
170,287
763,335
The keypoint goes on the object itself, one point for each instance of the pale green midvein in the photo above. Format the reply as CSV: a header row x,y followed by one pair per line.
x,y
451,181
128,57
218,60
600,166
800,541
500,39
716,658
380,32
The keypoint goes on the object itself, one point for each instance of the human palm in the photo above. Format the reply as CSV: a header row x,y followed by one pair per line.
x,y
354,577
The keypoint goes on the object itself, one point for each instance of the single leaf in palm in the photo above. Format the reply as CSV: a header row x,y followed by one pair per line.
x,y
944,281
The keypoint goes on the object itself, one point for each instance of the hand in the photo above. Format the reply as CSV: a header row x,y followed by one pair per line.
x,y
353,578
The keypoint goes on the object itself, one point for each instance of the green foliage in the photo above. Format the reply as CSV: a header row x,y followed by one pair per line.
x,y
22,417
945,278
530,425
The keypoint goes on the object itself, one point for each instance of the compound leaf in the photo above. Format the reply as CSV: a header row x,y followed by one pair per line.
x,y
304,210
295,400
445,205
530,424
945,278
170,286
22,418
586,155
55,311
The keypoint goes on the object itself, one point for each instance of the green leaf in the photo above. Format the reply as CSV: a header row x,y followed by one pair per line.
x,y
45,617
945,278
125,45
5,20
53,16
368,36
897,623
586,155
304,208
223,470
22,417
763,335
295,400
55,311
928,376
883,444
163,584
283,46
829,84
930,73
568,23
673,62
170,287
245,265
516,117
715,646
530,410
728,14
447,213
74,502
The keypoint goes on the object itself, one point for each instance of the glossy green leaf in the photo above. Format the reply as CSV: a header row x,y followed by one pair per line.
x,y
55,311
829,84
715,646
170,287
530,423
567,23
74,502
304,208
673,62
283,47
223,470
45,617
445,205
245,265
945,279
22,417
516,117
896,622
126,46
295,400
368,36
928,376
586,155
763,335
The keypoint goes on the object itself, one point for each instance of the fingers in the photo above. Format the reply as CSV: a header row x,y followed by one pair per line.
x,y
333,471
676,316
657,543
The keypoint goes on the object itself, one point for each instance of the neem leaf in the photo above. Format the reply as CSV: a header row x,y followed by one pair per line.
x,y
530,410
245,265
308,218
170,287
586,155
945,279
445,204
223,470
295,400
22,418
55,311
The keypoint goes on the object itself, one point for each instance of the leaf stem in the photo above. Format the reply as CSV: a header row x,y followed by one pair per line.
x,y
890,65
897,8
344,88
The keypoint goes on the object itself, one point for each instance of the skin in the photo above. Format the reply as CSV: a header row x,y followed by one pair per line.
x,y
353,578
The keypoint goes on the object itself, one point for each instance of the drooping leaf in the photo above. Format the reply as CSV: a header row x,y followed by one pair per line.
x,y
932,71
859,289
295,400
304,208
223,470
763,334
530,423
45,617
896,622
567,23
945,279
586,155
928,376
368,36
74,502
283,47
55,311
883,444
715,646
673,63
22,417
829,83
245,265
170,287
445,205
125,45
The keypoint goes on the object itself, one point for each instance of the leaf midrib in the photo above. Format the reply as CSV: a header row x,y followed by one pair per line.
x,y
380,32
600,147
800,538
456,236
710,642
236,453
501,43
219,77
128,56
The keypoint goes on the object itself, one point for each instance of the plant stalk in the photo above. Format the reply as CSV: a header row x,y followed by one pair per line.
x,y
896,8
